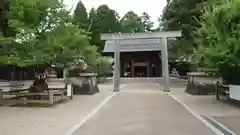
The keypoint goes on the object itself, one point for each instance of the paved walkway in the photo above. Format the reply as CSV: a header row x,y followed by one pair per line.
x,y
142,109
223,115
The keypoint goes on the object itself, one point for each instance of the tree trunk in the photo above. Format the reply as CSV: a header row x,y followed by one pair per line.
x,y
40,82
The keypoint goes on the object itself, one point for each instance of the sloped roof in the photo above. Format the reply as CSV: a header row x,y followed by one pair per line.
x,y
134,45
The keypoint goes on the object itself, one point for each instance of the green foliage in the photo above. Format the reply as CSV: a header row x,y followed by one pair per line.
x,y
131,22
219,38
107,19
44,34
34,22
103,20
80,16
90,56
74,45
103,67
182,15
146,21
94,28
3,16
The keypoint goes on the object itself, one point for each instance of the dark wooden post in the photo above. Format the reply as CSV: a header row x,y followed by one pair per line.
x,y
132,68
1,94
217,91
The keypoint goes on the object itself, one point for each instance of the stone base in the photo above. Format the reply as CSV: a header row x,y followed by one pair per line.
x,y
85,89
200,89
83,86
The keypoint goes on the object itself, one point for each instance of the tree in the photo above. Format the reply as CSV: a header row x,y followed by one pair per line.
x,y
3,6
108,19
103,20
94,28
44,34
104,67
131,22
182,15
92,16
5,30
146,21
73,45
219,37
80,16
32,21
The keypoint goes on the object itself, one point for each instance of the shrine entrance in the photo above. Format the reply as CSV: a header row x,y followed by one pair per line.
x,y
140,68
140,64
139,42
141,71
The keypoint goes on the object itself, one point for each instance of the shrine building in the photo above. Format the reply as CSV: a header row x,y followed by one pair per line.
x,y
138,57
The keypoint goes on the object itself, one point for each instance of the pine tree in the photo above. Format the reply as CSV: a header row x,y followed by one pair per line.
x,y
108,19
81,16
4,7
102,20
131,22
146,21
94,28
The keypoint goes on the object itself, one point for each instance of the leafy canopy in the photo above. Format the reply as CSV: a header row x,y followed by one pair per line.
x,y
80,16
182,15
131,22
219,38
44,33
146,22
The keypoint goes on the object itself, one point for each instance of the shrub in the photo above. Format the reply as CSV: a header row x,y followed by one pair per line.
x,y
103,67
219,40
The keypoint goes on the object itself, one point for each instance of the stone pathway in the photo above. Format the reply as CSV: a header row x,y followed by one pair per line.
x,y
142,109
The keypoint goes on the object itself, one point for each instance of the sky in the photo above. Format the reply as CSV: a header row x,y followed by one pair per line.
x,y
152,7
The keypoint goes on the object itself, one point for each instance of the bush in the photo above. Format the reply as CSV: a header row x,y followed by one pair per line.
x,y
182,67
219,40
103,67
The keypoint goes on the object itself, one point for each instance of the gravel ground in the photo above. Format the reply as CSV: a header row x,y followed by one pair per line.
x,y
56,120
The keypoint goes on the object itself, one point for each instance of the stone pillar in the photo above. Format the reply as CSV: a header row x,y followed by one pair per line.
x,y
116,79
65,72
165,67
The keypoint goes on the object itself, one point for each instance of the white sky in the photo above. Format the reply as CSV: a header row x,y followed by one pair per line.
x,y
152,7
